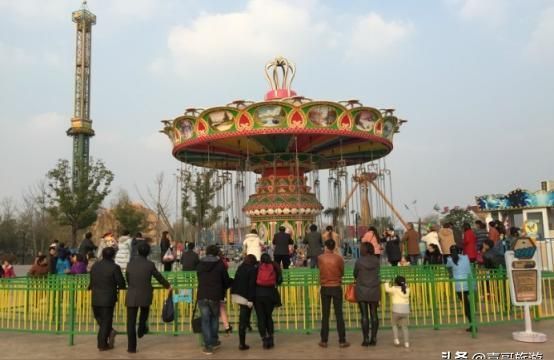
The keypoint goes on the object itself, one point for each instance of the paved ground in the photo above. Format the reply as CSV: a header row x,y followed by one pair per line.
x,y
426,344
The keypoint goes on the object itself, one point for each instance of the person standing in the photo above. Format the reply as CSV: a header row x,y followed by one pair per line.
x,y
106,280
470,246
243,292
371,237
123,254
213,282
432,237
446,240
8,270
167,251
268,277
78,265
87,245
411,239
52,259
140,272
107,241
155,252
315,245
281,242
331,271
494,234
134,244
392,247
368,291
189,259
39,268
481,234
330,234
252,245
461,270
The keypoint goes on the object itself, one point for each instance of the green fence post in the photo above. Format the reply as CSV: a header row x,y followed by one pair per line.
x,y
58,298
71,313
434,304
472,310
307,314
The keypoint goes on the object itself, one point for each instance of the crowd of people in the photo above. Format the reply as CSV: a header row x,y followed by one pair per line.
x,y
130,262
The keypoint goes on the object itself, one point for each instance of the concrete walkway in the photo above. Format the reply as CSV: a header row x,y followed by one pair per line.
x,y
426,344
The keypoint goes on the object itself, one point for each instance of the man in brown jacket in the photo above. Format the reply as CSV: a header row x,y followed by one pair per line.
x,y
331,270
411,238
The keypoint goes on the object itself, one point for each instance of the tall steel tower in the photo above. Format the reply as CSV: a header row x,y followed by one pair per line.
x,y
81,124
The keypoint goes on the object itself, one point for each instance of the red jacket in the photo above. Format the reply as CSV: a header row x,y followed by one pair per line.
x,y
470,245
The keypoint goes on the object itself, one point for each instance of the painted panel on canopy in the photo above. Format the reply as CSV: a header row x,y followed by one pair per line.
x,y
185,126
322,114
268,115
365,118
238,144
220,119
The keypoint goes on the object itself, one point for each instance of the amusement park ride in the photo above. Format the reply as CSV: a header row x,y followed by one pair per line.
x,y
286,140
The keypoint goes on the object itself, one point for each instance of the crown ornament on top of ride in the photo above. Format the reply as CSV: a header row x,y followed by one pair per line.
x,y
280,88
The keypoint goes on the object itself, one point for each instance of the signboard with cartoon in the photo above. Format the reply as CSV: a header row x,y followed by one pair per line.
x,y
523,267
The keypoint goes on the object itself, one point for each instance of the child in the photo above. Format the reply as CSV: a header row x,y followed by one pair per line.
x,y
400,300
8,269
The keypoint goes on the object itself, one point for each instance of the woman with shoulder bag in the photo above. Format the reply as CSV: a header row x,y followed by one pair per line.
x,y
243,292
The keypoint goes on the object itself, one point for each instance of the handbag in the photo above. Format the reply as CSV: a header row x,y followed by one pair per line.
x,y
196,322
168,310
350,293
168,256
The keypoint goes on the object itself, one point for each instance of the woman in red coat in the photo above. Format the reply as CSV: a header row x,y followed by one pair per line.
x,y
470,243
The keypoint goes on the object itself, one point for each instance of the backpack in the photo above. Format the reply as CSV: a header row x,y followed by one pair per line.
x,y
266,275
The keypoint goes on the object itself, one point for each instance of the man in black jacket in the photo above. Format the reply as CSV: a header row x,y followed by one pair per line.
x,y
87,245
139,275
189,259
281,241
213,282
105,281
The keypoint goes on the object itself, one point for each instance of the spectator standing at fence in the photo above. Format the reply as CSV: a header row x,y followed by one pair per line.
x,y
106,280
494,234
411,241
62,262
400,304
314,241
213,282
189,259
155,252
461,270
107,241
368,291
139,274
268,277
371,237
470,243
433,255
123,254
78,265
481,234
252,244
330,234
331,271
243,292
168,255
392,247
281,242
91,260
432,237
446,239
40,267
52,259
222,305
8,270
87,245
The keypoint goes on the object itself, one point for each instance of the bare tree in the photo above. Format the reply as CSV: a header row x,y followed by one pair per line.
x,y
157,200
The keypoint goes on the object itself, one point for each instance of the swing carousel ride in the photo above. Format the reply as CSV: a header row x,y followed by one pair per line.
x,y
286,141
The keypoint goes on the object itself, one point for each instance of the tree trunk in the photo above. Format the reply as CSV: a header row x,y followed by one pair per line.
x,y
74,236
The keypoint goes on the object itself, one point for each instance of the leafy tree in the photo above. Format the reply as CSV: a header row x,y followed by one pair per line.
x,y
128,215
201,213
74,200
458,217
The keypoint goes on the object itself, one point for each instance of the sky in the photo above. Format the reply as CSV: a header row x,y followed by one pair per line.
x,y
474,79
